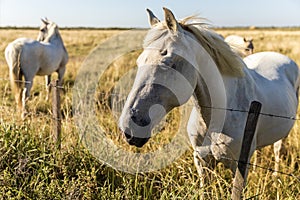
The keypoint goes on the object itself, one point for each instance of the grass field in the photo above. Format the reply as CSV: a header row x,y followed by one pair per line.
x,y
32,168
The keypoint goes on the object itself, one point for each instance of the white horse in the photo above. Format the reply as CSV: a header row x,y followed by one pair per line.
x,y
28,58
241,45
183,60
244,47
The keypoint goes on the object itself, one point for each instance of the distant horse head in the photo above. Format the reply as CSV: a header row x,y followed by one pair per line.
x,y
249,45
47,30
241,45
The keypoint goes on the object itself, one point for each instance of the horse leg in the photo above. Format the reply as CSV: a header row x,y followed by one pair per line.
x,y
256,152
25,97
18,98
204,168
61,72
257,159
277,148
196,129
199,166
48,87
16,85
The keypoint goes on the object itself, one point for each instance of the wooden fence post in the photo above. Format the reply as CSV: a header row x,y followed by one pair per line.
x,y
56,118
240,174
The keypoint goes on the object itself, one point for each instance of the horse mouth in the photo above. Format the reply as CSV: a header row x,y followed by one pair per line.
x,y
134,141
138,143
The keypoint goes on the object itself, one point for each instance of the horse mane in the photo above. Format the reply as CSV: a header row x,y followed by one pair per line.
x,y
53,34
227,61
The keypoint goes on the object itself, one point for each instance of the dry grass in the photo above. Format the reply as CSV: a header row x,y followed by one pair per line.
x,y
31,168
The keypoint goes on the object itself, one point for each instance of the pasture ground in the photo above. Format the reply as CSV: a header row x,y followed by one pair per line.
x,y
31,167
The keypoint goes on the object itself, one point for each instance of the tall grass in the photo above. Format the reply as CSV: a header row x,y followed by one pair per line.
x,y
32,168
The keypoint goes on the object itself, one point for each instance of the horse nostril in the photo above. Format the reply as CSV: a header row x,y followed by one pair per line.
x,y
128,136
139,118
133,111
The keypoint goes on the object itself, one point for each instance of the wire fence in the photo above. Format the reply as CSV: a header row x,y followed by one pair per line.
x,y
122,98
291,174
202,106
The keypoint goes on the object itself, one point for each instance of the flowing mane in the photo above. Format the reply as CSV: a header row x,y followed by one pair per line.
x,y
53,33
226,60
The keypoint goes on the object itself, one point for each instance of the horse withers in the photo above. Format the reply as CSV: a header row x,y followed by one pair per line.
x,y
28,58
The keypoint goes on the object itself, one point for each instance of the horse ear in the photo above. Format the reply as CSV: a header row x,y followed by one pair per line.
x,y
172,23
45,21
152,18
249,39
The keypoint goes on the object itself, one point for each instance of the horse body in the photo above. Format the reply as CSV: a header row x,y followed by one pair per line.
x,y
182,60
48,57
28,58
270,78
273,80
277,78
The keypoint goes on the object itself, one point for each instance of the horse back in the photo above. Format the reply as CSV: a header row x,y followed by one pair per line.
x,y
274,67
277,80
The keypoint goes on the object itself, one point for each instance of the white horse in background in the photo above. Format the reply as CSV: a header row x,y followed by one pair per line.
x,y
28,58
186,59
241,45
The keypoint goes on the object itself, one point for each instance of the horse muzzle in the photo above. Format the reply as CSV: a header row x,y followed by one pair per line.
x,y
135,141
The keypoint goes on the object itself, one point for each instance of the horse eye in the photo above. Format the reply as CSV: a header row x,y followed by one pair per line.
x,y
43,30
164,52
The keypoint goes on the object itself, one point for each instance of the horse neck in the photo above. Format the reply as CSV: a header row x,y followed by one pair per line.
x,y
203,102
210,92
55,39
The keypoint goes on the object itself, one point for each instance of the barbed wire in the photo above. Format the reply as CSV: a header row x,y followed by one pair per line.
x,y
294,118
259,166
41,115
247,111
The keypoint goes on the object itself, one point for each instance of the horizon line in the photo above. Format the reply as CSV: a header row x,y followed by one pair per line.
x,y
130,28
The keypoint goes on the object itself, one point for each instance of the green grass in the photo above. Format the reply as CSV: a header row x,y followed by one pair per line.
x,y
32,168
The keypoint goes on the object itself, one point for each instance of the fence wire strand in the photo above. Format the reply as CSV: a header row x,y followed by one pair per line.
x,y
42,116
261,167
202,106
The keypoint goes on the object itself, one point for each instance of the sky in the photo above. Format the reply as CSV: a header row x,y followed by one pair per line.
x,y
132,14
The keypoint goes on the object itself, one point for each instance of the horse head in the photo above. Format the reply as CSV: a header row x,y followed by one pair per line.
x,y
249,47
47,30
241,45
165,78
